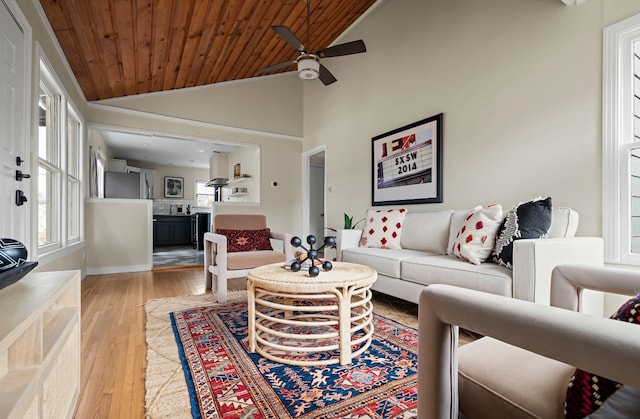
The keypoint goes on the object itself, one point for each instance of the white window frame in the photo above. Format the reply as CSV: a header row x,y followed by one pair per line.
x,y
65,109
195,192
52,163
618,139
74,116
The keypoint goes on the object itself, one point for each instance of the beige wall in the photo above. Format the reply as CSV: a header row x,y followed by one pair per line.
x,y
95,139
249,161
519,82
71,261
269,104
279,154
119,235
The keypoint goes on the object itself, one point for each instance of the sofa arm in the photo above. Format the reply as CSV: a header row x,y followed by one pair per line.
x,y
346,239
287,248
534,260
587,341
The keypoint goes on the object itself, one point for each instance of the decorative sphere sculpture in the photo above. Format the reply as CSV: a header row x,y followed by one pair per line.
x,y
312,254
12,254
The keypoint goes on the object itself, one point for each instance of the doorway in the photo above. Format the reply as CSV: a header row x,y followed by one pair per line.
x,y
314,192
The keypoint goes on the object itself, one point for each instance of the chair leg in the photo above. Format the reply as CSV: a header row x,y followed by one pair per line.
x,y
221,287
208,278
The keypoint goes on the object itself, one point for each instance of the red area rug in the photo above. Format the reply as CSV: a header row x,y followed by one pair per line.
x,y
225,381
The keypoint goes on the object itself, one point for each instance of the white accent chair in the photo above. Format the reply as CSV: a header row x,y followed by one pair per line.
x,y
522,367
220,265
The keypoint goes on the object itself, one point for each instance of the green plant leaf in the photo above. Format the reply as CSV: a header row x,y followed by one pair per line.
x,y
348,222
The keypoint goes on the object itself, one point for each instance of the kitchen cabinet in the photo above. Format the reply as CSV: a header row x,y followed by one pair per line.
x,y
171,229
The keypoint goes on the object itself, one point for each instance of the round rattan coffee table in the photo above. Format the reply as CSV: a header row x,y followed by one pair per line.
x,y
299,320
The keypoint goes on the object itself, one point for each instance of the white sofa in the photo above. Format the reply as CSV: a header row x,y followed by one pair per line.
x,y
424,258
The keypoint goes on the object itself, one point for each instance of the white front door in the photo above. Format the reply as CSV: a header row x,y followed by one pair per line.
x,y
14,219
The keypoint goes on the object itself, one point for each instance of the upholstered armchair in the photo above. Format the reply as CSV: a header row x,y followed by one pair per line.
x,y
523,365
237,244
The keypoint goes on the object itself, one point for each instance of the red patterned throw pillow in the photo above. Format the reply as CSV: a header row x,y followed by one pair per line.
x,y
383,228
246,240
588,392
475,239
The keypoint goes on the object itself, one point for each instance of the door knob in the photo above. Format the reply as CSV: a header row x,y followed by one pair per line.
x,y
19,161
20,175
20,198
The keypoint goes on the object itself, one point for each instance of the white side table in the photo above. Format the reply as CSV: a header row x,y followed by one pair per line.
x,y
330,312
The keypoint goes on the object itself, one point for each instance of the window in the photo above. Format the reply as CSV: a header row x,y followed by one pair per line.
x,y
74,193
204,195
48,167
60,140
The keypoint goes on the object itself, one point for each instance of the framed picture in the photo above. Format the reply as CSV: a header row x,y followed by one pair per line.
x,y
236,170
407,164
173,187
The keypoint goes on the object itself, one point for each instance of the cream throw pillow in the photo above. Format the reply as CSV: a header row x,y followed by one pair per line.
x,y
476,238
383,229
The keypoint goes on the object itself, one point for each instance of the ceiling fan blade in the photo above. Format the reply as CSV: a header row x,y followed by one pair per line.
x,y
276,67
348,48
325,76
286,34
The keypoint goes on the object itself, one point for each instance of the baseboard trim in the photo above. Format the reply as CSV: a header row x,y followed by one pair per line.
x,y
118,269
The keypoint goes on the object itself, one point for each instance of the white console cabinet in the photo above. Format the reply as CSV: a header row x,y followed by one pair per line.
x,y
40,346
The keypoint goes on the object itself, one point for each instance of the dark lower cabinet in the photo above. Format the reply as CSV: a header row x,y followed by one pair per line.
x,y
171,229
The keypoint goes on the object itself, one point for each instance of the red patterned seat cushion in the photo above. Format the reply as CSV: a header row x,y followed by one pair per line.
x,y
587,392
246,240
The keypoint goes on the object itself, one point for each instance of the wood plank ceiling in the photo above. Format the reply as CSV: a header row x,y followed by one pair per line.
x,y
125,47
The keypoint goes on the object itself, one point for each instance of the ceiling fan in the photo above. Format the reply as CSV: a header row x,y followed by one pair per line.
x,y
309,66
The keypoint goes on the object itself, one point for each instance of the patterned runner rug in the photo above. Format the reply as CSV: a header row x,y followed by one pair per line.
x,y
225,381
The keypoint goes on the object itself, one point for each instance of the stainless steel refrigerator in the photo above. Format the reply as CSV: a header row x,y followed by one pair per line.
x,y
122,185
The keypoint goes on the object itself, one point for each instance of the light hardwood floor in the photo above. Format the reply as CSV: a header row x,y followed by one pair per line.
x,y
113,356
113,340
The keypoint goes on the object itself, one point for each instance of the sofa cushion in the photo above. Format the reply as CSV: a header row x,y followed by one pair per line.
x,y
484,391
246,240
253,259
475,239
529,220
564,223
383,228
384,261
446,269
587,391
428,231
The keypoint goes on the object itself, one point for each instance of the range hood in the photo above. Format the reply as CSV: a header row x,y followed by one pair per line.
x,y
219,181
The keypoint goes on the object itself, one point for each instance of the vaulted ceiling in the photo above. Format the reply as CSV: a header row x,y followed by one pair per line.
x,y
125,47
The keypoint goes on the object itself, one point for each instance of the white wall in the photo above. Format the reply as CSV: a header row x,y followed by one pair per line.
x,y
519,82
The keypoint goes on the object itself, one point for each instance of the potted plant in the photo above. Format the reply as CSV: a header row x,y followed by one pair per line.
x,y
348,230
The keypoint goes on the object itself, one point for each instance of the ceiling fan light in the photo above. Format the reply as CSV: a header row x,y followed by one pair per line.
x,y
308,68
